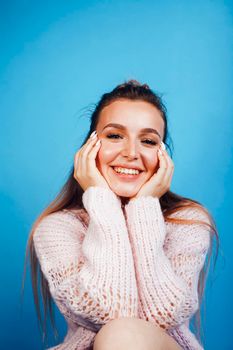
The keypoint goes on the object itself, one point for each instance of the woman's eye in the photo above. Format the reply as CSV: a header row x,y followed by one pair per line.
x,y
113,136
150,142
117,136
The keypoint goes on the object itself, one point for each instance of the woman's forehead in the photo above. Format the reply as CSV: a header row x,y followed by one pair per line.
x,y
132,115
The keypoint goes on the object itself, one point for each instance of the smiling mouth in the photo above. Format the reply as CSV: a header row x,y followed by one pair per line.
x,y
129,176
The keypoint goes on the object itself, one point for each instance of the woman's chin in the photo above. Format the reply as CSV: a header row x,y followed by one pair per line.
x,y
124,193
125,188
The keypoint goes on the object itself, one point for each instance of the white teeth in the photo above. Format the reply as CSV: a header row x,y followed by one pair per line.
x,y
126,171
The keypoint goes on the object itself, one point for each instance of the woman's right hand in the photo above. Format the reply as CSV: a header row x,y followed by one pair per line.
x,y
85,169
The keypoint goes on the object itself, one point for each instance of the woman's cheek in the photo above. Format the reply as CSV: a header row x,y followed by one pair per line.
x,y
100,158
106,153
153,162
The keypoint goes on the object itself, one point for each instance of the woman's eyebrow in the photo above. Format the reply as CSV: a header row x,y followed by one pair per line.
x,y
122,127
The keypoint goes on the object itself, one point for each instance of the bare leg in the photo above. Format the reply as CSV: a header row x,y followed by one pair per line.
x,y
133,333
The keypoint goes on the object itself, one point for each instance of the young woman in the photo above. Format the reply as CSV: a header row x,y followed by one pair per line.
x,y
121,255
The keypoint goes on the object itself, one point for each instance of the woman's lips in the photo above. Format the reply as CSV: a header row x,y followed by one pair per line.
x,y
126,177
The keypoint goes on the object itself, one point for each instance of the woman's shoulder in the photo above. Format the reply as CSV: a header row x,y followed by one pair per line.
x,y
191,211
62,222
78,214
190,224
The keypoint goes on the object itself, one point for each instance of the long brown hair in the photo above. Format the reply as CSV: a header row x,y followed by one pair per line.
x,y
70,197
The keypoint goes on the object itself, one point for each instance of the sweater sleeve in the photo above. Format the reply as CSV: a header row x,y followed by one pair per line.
x,y
94,280
167,279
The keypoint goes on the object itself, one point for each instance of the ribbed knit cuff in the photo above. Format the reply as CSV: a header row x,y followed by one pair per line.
x,y
145,217
97,198
104,209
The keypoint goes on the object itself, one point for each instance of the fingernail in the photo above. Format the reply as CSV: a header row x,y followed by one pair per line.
x,y
163,146
160,152
97,143
93,134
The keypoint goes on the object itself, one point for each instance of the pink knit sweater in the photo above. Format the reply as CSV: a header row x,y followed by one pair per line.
x,y
108,262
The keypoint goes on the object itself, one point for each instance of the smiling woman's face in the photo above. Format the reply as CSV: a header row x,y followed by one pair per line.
x,y
128,144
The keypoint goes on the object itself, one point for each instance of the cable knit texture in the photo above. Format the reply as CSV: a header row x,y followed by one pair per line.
x,y
106,262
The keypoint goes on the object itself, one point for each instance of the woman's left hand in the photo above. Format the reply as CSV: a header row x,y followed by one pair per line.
x,y
160,182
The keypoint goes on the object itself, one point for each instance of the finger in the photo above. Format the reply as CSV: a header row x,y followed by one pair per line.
x,y
163,165
80,156
91,163
85,157
169,162
90,140
165,181
170,170
170,180
91,137
158,177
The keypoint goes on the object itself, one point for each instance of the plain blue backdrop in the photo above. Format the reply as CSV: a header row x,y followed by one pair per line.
x,y
57,58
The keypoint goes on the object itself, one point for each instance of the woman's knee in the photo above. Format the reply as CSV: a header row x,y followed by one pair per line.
x,y
127,333
133,333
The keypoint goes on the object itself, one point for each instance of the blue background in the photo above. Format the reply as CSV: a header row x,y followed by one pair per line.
x,y
57,58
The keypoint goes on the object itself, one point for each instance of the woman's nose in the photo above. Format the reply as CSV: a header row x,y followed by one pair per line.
x,y
130,150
